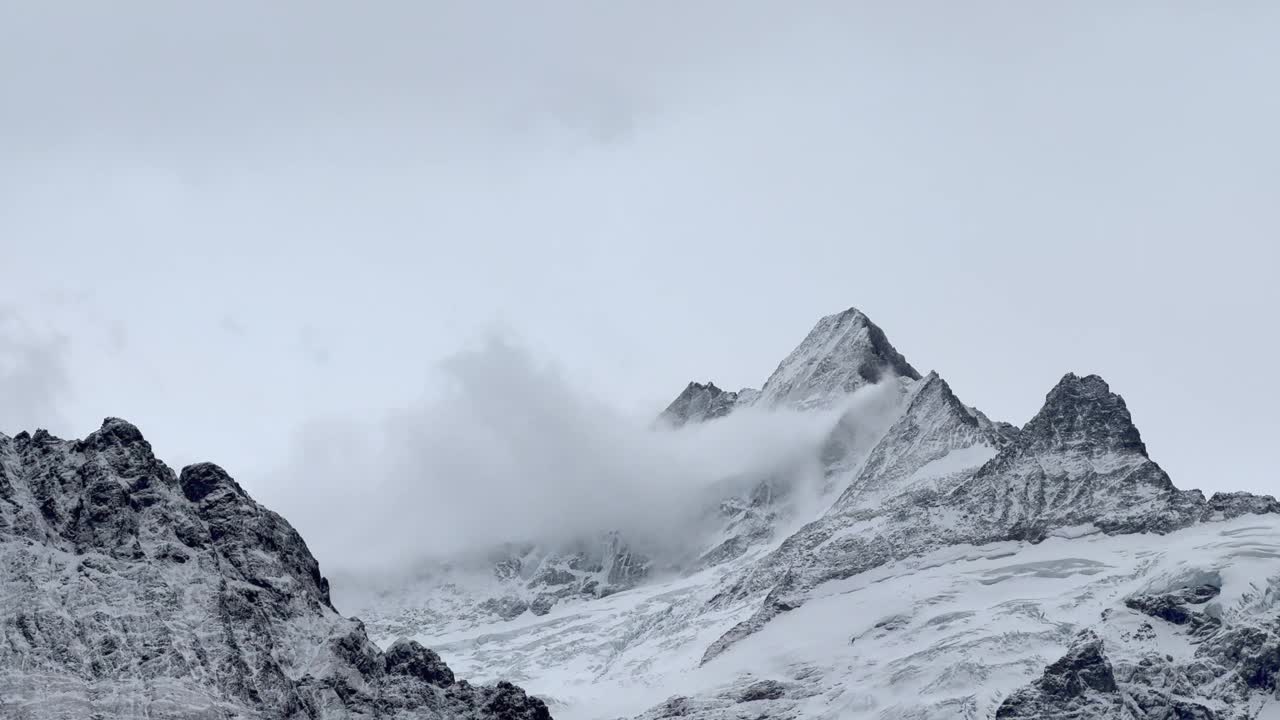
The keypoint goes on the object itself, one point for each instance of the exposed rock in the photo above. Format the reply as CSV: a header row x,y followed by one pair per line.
x,y
841,354
1079,460
1080,684
1225,506
406,657
1220,681
763,690
127,591
699,403
1174,606
542,604
507,608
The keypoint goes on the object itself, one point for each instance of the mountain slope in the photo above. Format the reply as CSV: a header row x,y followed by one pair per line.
x,y
699,403
948,565
842,353
129,592
1079,461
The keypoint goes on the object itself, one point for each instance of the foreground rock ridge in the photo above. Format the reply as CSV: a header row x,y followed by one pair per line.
x,y
127,591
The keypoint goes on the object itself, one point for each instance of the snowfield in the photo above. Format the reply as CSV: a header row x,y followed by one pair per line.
x,y
946,635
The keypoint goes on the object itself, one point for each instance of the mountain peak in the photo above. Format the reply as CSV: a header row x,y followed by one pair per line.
x,y
200,480
1083,413
116,431
699,402
842,353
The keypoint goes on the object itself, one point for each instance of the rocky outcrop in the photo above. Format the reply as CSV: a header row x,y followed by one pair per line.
x,y
1177,607
127,591
1228,505
1079,460
1081,684
698,403
1222,669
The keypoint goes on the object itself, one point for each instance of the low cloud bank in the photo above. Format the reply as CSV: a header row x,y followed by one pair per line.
x,y
511,451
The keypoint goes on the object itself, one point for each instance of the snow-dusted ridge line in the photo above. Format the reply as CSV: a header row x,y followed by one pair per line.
x,y
842,353
129,591
1079,461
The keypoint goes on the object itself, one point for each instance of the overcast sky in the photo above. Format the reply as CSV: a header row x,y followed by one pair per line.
x,y
230,221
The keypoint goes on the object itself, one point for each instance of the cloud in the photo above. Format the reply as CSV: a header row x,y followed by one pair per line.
x,y
33,376
313,345
231,326
512,451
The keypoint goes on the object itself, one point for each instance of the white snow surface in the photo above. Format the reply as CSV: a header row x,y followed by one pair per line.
x,y
944,635
833,360
958,460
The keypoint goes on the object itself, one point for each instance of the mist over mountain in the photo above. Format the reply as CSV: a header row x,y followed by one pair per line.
x,y
513,451
848,540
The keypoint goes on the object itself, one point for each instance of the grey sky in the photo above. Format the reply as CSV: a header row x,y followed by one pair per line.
x,y
225,221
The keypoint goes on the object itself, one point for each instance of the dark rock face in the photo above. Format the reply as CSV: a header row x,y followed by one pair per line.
x,y
1225,506
1230,666
1083,415
1175,607
1080,684
699,403
129,591
763,690
506,608
1079,460
542,604
406,657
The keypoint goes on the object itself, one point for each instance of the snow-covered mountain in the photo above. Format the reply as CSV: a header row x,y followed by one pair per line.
x,y
942,565
127,591
920,561
843,352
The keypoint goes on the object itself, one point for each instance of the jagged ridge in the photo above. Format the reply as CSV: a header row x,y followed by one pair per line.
x,y
129,592
1079,461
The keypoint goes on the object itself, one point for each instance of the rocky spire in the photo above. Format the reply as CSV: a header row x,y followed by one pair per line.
x,y
1083,415
699,403
1079,460
842,353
